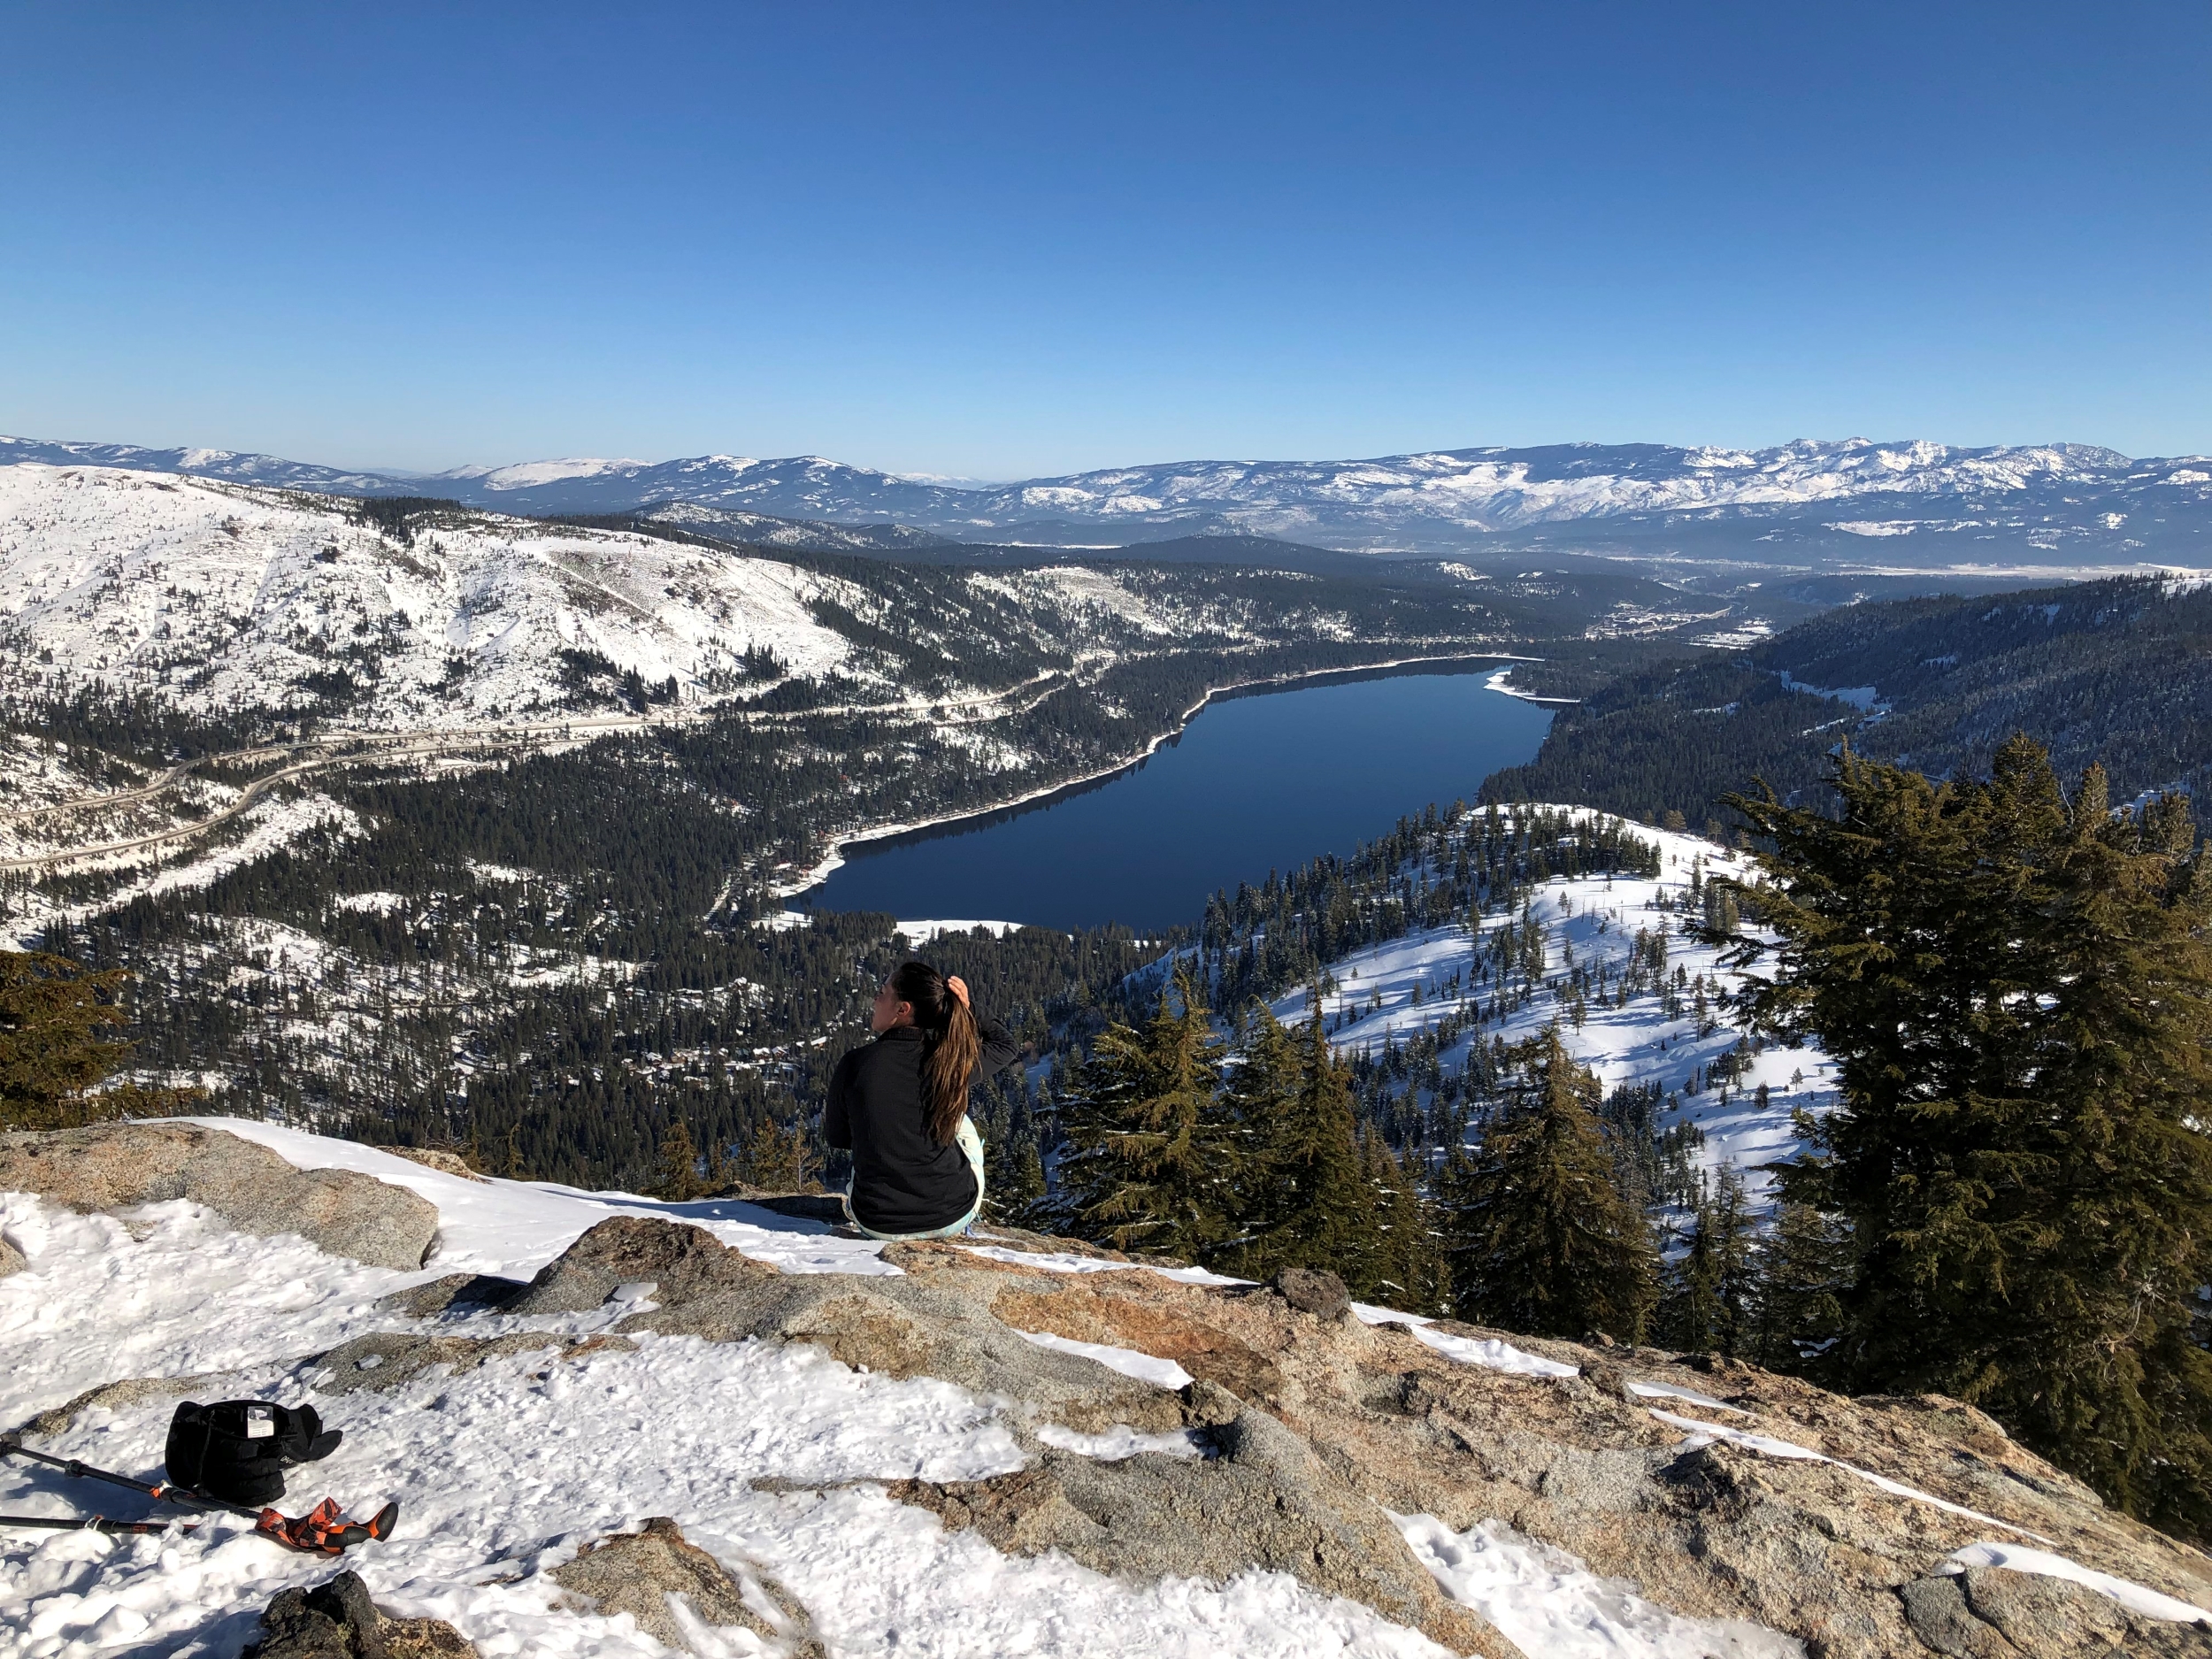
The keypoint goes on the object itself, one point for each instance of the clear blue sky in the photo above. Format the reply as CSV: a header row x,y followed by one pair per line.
x,y
1003,241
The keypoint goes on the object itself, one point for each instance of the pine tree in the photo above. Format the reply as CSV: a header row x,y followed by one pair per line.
x,y
679,1164
1540,1239
1405,1263
1150,1158
1013,1171
1314,1206
1260,1086
57,1018
1803,1268
2016,989
1706,1304
778,1157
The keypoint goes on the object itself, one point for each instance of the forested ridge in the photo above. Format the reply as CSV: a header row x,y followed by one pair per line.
x,y
2116,673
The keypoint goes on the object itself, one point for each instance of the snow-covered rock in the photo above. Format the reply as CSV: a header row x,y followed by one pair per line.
x,y
124,1166
866,1437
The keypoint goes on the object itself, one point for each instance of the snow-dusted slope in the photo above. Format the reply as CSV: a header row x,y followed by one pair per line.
x,y
1393,991
214,596
218,596
229,465
760,529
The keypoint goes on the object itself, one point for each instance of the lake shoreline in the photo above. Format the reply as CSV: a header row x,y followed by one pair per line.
x,y
1261,686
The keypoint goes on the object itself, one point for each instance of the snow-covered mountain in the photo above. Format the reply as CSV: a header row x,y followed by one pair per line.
x,y
218,597
215,595
810,536
230,464
1858,497
1489,490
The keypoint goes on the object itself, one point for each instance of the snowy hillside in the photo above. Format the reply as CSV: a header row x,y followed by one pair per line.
x,y
856,1444
756,529
216,597
221,597
1599,934
1870,498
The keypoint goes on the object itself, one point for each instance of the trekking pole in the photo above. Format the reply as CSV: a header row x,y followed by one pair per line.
x,y
323,1530
93,1523
12,1446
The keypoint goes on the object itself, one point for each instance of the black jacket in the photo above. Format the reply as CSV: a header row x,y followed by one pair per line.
x,y
903,1180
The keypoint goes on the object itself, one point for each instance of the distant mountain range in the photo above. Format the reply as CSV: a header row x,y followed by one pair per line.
x,y
1914,504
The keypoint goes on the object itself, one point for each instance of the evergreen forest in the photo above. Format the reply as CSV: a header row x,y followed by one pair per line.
x,y
2116,673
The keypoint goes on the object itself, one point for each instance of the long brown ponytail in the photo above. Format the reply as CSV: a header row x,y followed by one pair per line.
x,y
949,1065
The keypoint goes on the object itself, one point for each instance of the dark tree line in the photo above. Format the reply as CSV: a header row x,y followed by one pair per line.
x,y
2117,673
1439,868
2016,985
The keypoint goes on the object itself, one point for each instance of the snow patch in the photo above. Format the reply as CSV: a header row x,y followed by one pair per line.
x,y
1161,1373
1490,1352
2134,1597
1121,1441
923,933
513,1228
1549,1603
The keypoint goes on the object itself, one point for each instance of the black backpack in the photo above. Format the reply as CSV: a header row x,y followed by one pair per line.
x,y
238,1450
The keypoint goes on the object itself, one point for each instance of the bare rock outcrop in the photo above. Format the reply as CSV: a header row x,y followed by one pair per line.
x,y
457,1294
1263,1501
437,1158
684,1264
670,1586
115,1166
1992,1613
1709,1526
1311,1291
338,1621
1719,1491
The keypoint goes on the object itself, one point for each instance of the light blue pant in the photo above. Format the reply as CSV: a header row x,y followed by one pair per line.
x,y
971,1143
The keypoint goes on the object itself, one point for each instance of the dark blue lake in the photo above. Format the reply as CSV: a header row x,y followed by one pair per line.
x,y
1255,783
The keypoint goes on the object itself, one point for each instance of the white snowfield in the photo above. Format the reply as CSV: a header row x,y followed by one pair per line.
x,y
215,595
504,1471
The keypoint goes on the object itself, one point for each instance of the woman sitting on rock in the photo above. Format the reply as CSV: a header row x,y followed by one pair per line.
x,y
900,1104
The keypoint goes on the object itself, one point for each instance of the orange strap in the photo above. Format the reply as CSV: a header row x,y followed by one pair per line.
x,y
324,1530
